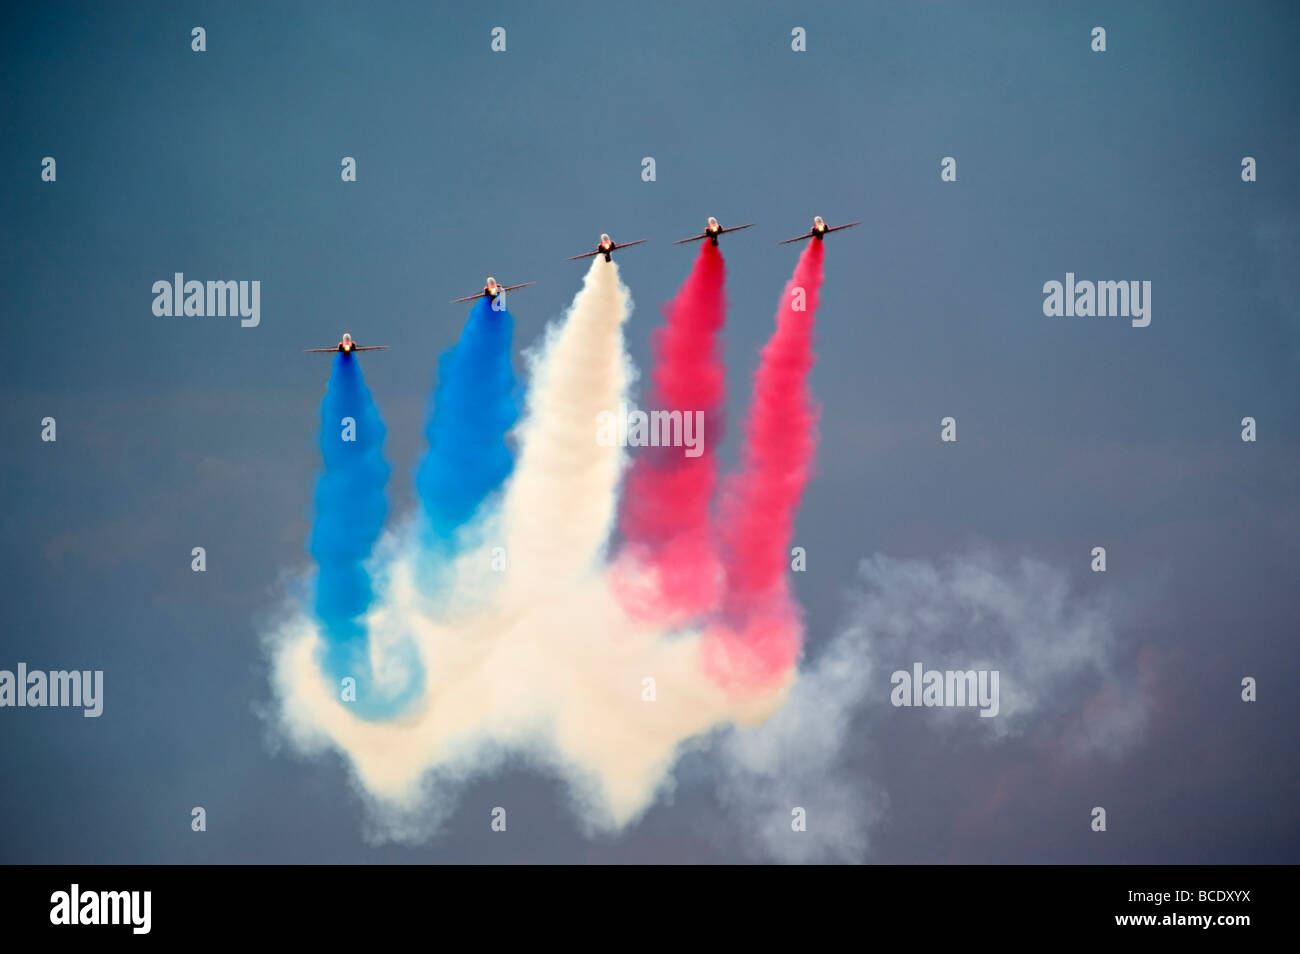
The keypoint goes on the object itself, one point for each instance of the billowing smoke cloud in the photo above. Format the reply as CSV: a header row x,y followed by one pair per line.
x,y
670,569
528,652
982,612
1056,650
527,648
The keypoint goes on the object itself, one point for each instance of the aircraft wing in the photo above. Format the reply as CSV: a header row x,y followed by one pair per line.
x,y
811,233
370,347
456,301
319,350
585,255
704,235
629,244
506,288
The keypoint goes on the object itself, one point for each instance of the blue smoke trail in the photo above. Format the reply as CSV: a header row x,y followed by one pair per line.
x,y
475,404
351,506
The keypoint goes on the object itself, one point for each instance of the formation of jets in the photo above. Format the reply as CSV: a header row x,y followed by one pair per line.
x,y
606,247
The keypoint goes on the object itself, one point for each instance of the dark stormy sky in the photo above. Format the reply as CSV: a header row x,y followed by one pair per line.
x,y
1073,433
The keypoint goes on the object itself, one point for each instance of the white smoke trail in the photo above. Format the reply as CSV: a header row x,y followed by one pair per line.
x,y
560,503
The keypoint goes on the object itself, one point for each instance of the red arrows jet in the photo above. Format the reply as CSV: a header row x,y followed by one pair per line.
x,y
491,290
347,346
818,231
712,231
607,247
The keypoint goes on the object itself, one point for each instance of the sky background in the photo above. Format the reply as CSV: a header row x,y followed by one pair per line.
x,y
1072,433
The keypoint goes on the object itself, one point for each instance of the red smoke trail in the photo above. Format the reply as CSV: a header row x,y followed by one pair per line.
x,y
763,628
669,568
